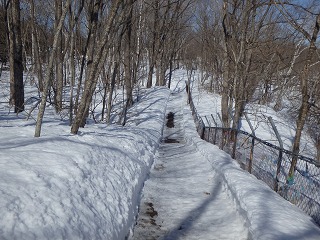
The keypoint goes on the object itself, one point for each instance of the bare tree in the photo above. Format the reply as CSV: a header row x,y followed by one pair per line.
x,y
59,59
225,98
241,27
93,13
48,82
35,48
3,35
305,101
96,63
15,56
73,26
165,27
128,59
152,51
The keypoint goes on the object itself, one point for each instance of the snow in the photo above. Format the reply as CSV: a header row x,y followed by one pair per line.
x,y
183,198
267,214
209,103
88,186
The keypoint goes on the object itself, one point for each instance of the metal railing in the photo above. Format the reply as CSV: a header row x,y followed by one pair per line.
x,y
269,163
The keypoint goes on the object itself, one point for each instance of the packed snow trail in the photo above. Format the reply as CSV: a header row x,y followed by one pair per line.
x,y
183,197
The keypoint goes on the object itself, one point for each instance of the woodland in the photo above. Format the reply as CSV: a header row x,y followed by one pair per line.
x,y
257,51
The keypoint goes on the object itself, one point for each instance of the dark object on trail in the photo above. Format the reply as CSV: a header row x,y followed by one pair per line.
x,y
151,212
170,140
170,117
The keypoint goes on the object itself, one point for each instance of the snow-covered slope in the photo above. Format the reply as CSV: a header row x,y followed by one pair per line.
x,y
268,215
87,186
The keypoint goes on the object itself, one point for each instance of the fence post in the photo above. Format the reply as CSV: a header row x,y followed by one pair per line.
x,y
215,130
209,129
280,153
214,121
203,129
207,121
233,137
220,120
252,142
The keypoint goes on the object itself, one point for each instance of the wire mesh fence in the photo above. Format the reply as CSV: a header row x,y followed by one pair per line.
x,y
269,163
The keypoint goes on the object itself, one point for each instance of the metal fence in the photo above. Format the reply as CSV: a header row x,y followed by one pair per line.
x,y
269,163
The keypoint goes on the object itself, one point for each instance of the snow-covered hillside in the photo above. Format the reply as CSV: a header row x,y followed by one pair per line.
x,y
87,186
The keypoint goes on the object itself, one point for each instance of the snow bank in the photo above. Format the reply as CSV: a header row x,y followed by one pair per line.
x,y
268,215
86,186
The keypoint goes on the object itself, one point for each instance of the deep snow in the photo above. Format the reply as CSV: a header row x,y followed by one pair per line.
x,y
88,186
61,186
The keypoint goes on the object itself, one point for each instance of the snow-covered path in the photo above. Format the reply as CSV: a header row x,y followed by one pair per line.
x,y
184,197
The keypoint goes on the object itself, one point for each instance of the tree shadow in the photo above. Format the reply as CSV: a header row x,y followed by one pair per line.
x,y
186,225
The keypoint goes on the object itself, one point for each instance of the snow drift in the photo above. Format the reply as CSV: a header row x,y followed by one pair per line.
x,y
85,186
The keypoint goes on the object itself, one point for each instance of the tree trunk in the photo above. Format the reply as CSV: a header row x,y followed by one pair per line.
x,y
72,68
152,50
225,77
35,49
92,18
98,60
150,73
59,61
112,85
305,106
105,80
49,70
128,58
15,56
170,72
163,73
91,51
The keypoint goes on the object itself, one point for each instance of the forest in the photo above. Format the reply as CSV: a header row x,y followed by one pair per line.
x,y
257,51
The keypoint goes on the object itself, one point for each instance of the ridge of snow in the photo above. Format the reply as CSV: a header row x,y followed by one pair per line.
x,y
85,186
268,215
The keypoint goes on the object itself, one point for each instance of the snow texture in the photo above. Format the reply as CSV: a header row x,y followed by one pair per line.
x,y
184,198
268,215
88,186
